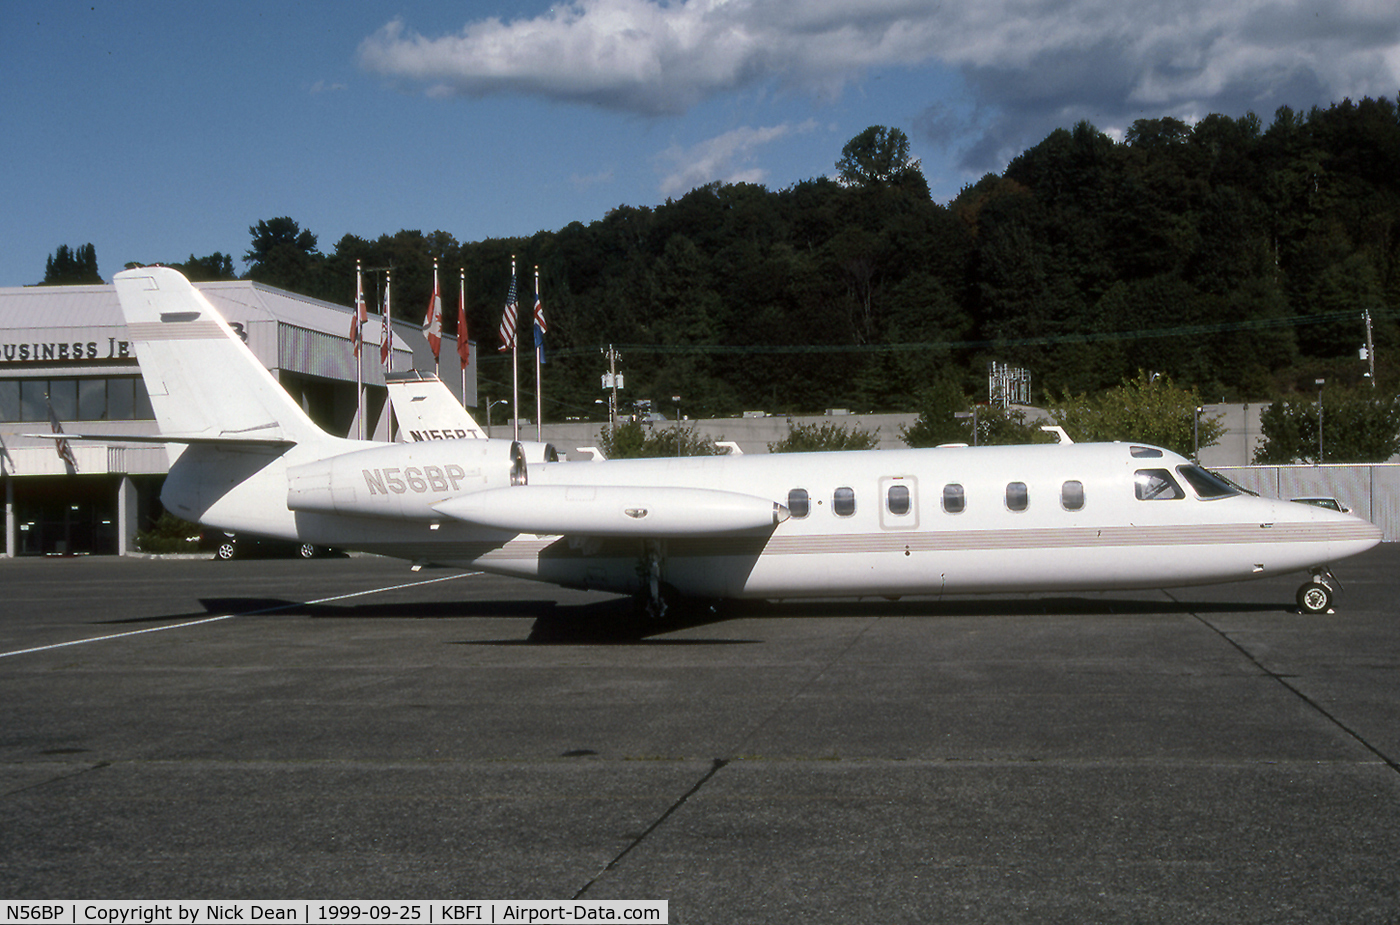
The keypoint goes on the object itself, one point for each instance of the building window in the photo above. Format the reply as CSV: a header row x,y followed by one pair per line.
x,y
121,398
63,394
1017,497
9,399
843,502
799,505
92,400
954,499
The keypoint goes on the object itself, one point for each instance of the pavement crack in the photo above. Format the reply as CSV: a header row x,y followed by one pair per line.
x,y
715,766
49,781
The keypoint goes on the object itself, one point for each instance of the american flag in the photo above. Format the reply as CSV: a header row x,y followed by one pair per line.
x,y
5,455
357,321
508,318
386,334
65,452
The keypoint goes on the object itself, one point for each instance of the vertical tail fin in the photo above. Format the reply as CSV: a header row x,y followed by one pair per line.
x,y
203,380
427,410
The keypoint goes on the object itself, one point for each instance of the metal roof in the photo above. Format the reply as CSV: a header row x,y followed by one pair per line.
x,y
286,330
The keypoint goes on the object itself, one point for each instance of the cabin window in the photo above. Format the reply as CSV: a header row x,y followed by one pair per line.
x,y
843,502
799,505
1207,485
1072,496
1156,485
897,500
953,498
1017,497
1145,452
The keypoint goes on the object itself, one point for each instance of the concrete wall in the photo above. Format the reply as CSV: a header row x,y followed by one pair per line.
x,y
752,434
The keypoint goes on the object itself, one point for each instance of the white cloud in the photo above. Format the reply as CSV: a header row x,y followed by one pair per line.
x,y
650,58
1030,65
728,158
587,181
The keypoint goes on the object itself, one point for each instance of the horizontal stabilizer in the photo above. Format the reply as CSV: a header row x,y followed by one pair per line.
x,y
191,439
615,510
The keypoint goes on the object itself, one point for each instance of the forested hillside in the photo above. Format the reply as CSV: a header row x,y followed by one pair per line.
x,y
1234,257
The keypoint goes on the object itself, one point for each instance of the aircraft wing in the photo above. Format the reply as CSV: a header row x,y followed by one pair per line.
x,y
615,510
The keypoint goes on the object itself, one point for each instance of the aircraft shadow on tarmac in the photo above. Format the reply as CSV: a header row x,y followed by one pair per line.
x,y
619,621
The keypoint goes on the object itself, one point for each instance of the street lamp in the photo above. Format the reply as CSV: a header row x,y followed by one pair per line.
x,y
677,400
489,405
1196,435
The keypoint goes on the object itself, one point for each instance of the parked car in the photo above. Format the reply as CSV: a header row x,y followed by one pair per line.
x,y
1332,504
247,546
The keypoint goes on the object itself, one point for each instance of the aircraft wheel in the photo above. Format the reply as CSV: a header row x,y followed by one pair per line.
x,y
226,550
307,551
1315,597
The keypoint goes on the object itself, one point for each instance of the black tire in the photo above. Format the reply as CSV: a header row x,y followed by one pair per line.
x,y
1314,597
307,551
226,550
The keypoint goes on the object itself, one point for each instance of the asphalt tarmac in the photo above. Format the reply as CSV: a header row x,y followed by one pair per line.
x,y
349,729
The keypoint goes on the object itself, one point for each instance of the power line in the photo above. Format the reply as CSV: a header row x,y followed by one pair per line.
x,y
1096,337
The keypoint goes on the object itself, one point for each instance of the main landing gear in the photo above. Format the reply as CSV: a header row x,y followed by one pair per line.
x,y
1316,595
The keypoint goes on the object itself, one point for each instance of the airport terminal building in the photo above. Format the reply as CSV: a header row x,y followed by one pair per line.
x,y
66,347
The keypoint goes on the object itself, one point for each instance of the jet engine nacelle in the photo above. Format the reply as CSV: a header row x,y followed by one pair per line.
x,y
404,480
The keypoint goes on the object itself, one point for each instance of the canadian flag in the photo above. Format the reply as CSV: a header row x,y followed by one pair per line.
x,y
432,324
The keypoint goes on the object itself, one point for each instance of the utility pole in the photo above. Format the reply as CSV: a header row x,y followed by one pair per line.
x,y
1320,384
613,356
1370,349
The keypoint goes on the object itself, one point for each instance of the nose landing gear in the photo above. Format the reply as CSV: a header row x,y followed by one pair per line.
x,y
1316,596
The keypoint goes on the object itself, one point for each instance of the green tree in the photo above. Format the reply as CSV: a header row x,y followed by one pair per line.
x,y
283,254
72,267
813,438
947,416
879,157
1358,426
217,266
632,440
1148,409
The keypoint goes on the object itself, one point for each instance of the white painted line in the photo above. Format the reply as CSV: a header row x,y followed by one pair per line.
x,y
230,616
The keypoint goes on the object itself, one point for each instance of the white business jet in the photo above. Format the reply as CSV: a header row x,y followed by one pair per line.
x,y
1043,518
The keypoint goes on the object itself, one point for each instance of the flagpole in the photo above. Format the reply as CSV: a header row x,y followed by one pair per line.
x,y
515,357
463,345
388,348
359,360
539,395
436,308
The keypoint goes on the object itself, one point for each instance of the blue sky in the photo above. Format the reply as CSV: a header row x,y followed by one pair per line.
x,y
160,130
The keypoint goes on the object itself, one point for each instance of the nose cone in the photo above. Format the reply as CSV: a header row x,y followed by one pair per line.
x,y
1335,534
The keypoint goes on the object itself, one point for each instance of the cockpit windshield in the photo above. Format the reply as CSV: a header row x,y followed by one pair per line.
x,y
1206,484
